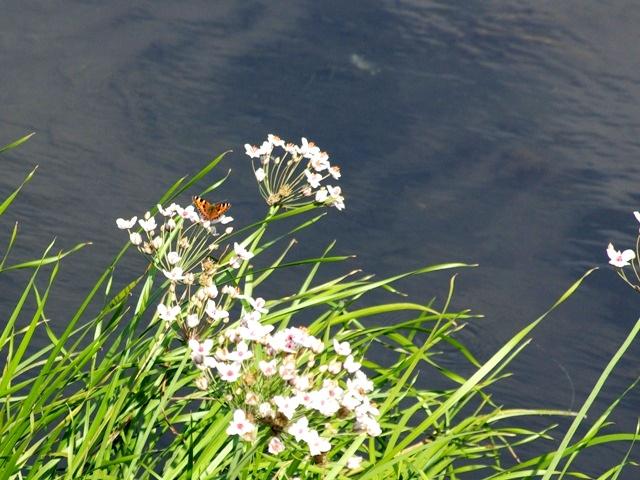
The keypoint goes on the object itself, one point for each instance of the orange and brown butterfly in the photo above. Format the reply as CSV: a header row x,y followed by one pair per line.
x,y
210,211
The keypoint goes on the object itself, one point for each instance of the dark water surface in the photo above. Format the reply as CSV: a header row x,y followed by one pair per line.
x,y
503,133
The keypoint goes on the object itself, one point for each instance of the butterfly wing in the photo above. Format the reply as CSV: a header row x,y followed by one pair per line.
x,y
210,211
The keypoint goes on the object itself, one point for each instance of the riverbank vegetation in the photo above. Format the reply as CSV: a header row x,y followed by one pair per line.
x,y
188,372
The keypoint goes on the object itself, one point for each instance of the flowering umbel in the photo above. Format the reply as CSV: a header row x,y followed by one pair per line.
x,y
290,175
283,387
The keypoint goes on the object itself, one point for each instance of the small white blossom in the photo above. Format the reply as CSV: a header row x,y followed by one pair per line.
x,y
241,425
260,174
173,258
275,446
168,314
193,320
320,161
286,405
135,238
241,353
268,369
335,172
126,224
343,349
148,225
229,372
354,462
214,312
251,150
317,444
620,259
313,178
299,429
175,275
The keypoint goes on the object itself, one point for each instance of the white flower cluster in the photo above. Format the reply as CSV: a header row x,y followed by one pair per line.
x,y
276,381
293,178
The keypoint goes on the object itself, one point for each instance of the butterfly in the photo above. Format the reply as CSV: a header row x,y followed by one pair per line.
x,y
210,211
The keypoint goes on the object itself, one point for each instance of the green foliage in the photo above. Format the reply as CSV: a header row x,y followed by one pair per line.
x,y
112,396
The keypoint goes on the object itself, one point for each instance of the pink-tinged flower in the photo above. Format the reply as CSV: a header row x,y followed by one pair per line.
x,y
619,259
266,148
211,291
305,398
343,348
175,275
286,405
242,252
241,353
287,370
275,446
313,178
360,383
351,400
350,365
320,161
200,351
229,372
268,369
193,320
190,214
241,425
251,150
148,225
135,238
252,330
301,382
260,175
335,172
317,445
308,149
324,404
354,462
156,242
299,429
126,224
168,314
170,210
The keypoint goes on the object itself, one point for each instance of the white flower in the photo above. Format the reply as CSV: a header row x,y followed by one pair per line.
x,y
230,290
229,372
368,425
287,370
126,224
360,383
253,330
335,194
323,403
135,238
168,314
241,353
275,140
211,291
148,225
258,304
619,259
251,150
313,178
635,214
308,149
268,369
228,230
275,446
224,219
193,320
321,195
320,162
189,278
241,425
334,367
241,252
200,353
335,172
173,258
214,312
350,365
286,405
317,445
265,410
260,174
175,275
342,349
299,429
156,242
354,462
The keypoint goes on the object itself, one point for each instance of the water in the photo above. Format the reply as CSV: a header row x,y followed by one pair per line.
x,y
491,132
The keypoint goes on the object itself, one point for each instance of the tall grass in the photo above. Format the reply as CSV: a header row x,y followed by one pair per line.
x,y
113,396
